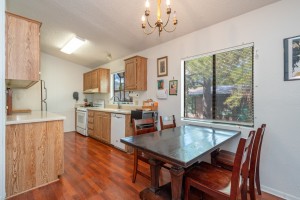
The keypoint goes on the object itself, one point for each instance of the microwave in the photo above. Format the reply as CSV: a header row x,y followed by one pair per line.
x,y
142,114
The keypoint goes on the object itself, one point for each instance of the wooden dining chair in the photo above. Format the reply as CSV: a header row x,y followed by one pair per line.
x,y
257,178
225,159
141,126
220,183
167,122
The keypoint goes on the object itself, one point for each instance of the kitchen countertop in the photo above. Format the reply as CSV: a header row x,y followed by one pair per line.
x,y
34,116
111,110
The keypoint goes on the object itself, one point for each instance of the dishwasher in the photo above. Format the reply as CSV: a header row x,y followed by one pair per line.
x,y
117,130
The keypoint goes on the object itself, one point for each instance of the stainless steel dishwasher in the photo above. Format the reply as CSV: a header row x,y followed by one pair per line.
x,y
117,130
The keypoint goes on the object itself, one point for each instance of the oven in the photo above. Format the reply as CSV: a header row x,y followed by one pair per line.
x,y
81,121
82,116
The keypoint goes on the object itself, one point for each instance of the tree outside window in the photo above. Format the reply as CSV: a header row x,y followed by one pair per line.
x,y
119,88
219,87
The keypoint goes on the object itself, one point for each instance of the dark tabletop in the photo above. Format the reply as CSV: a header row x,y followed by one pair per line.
x,y
182,145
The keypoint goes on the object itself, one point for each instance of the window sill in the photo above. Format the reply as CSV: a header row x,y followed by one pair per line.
x,y
122,103
217,124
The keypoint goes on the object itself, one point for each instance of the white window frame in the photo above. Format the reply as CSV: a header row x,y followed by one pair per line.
x,y
208,122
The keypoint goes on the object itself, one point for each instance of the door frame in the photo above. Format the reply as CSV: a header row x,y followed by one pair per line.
x,y
2,100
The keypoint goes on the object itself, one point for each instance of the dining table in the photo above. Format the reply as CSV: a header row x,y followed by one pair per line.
x,y
181,147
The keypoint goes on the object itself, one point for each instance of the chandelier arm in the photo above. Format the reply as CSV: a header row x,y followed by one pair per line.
x,y
149,23
153,29
169,31
167,21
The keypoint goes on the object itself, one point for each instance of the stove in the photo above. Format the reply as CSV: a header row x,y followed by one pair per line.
x,y
82,116
98,104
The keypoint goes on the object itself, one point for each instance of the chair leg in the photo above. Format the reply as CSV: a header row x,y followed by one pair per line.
x,y
252,188
244,191
257,181
135,166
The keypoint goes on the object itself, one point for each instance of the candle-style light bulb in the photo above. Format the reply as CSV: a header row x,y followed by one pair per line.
x,y
143,22
168,2
174,19
147,4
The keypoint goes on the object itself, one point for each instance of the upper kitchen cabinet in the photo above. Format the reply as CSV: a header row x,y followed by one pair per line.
x,y
96,81
22,51
136,73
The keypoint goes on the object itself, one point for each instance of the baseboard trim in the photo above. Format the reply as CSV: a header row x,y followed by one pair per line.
x,y
279,193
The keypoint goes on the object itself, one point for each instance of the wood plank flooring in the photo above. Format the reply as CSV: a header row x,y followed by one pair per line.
x,y
96,171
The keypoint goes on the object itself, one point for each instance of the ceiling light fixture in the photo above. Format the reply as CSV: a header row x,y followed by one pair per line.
x,y
73,45
108,56
159,23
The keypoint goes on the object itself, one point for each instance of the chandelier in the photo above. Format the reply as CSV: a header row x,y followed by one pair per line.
x,y
159,23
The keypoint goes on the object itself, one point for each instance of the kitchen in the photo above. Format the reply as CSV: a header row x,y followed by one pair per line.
x,y
69,78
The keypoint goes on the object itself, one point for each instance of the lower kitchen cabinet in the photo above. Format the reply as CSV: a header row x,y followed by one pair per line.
x,y
99,127
34,155
102,126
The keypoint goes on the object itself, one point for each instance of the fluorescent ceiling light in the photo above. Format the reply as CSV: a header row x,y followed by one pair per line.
x,y
73,45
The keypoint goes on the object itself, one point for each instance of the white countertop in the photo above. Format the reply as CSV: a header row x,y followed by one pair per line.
x,y
34,116
111,110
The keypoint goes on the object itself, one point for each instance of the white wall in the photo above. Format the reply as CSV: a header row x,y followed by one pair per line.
x,y
2,100
276,102
62,78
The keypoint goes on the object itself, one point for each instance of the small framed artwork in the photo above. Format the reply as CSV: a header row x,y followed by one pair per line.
x,y
173,85
291,58
160,84
162,66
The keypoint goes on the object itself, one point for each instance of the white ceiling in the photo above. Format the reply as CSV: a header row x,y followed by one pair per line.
x,y
114,26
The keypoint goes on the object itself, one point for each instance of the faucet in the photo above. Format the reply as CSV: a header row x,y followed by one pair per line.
x,y
119,103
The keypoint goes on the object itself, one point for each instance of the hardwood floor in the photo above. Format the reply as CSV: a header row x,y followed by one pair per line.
x,y
96,171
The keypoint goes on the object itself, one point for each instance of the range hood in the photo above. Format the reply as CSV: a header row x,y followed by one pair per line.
x,y
92,90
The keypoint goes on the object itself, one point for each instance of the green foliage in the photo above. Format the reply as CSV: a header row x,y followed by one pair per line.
x,y
234,69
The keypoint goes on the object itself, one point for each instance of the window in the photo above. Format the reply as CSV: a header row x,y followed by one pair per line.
x,y
219,87
119,88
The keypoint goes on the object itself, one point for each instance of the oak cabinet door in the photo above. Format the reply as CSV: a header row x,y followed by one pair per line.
x,y
87,81
136,73
97,125
94,79
104,80
22,51
106,127
130,75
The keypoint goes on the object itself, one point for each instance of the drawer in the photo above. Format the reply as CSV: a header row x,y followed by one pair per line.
x,y
105,114
90,126
90,120
90,113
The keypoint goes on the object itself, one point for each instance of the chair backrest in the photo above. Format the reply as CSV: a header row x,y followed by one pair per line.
x,y
167,122
255,151
263,128
141,126
241,165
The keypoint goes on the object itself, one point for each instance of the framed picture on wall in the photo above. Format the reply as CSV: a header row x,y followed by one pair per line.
x,y
173,85
160,84
162,66
291,58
